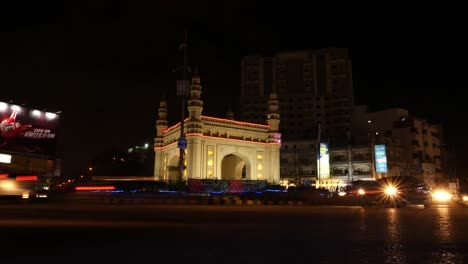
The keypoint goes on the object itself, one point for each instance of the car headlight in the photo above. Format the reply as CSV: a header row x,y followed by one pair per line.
x,y
390,190
25,195
361,192
465,198
441,195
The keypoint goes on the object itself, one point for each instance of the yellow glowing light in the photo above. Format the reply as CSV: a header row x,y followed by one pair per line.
x,y
259,176
342,193
185,172
210,163
7,185
210,153
465,198
260,166
259,157
361,192
210,173
442,195
390,190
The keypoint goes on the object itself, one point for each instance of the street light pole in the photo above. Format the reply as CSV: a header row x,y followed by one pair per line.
x,y
371,135
182,92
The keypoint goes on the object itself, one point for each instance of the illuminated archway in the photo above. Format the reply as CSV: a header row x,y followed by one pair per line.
x,y
173,169
234,167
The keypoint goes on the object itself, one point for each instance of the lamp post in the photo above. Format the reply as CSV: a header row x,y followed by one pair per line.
x,y
371,135
182,92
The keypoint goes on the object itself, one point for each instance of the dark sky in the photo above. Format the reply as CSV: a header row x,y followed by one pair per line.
x,y
105,64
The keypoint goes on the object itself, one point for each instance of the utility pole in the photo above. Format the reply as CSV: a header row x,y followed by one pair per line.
x,y
318,183
182,92
297,166
350,157
371,137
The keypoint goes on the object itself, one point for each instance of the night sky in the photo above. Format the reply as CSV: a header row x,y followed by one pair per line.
x,y
105,64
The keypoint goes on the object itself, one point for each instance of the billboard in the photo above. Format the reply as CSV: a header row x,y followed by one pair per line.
x,y
380,158
324,161
27,130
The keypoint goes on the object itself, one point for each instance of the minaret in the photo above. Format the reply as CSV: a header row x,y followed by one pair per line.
x,y
160,164
195,106
161,123
195,149
230,114
273,119
274,137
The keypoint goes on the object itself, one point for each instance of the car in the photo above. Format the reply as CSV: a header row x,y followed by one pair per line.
x,y
462,199
401,191
395,191
365,193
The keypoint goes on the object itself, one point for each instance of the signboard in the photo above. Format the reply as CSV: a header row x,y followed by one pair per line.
x,y
225,186
5,158
27,130
324,161
380,159
182,143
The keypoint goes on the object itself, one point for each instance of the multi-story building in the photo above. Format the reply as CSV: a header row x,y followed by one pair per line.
x,y
312,86
414,146
346,164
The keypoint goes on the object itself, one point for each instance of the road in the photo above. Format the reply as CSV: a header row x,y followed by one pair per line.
x,y
62,233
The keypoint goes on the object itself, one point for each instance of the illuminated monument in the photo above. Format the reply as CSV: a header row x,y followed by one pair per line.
x,y
218,148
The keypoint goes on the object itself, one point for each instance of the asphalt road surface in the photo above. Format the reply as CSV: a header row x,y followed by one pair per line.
x,y
61,233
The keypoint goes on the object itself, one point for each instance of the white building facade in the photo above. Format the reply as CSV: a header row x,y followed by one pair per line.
x,y
218,148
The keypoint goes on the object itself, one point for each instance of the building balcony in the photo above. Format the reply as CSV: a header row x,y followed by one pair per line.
x,y
361,173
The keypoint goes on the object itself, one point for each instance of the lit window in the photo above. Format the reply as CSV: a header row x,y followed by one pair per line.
x,y
259,157
259,176
260,166
210,152
210,163
210,173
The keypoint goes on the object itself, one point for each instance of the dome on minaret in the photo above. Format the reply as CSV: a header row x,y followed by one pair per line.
x,y
162,111
195,106
196,77
230,114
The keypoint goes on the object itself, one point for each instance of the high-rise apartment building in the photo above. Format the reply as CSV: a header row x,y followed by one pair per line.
x,y
312,86
414,145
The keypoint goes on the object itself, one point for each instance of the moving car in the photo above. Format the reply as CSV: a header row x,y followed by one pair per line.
x,y
395,191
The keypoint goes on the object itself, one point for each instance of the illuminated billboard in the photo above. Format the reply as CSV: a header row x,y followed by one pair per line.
x,y
27,130
324,161
5,158
380,158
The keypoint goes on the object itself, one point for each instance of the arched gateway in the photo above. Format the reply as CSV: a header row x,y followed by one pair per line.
x,y
218,148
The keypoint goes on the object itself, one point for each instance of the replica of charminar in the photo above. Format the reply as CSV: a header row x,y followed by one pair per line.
x,y
218,148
